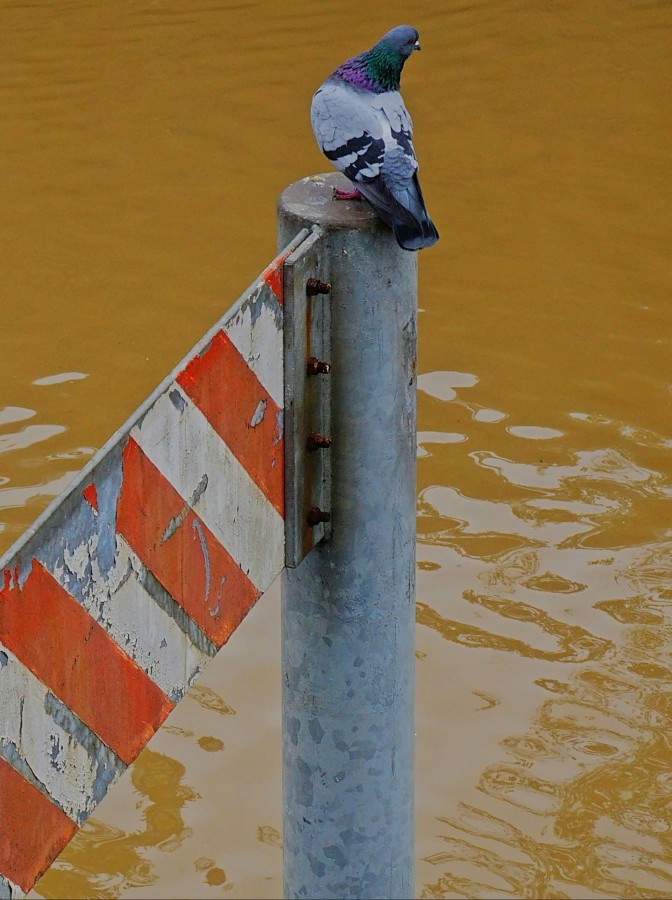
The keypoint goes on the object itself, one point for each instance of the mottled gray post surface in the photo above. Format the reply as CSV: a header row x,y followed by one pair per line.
x,y
348,609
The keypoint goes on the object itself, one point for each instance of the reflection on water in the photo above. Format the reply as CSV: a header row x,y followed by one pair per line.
x,y
209,699
210,744
37,458
269,835
102,861
575,803
143,147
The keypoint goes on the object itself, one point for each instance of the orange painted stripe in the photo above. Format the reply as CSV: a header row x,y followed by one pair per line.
x,y
177,547
274,276
79,662
33,831
230,396
90,494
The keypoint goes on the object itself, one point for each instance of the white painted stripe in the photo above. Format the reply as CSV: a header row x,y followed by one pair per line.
x,y
129,614
185,448
73,766
9,890
256,333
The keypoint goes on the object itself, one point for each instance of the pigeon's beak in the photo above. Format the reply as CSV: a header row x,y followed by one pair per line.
x,y
417,46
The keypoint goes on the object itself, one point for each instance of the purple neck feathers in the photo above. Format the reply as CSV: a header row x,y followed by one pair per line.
x,y
355,72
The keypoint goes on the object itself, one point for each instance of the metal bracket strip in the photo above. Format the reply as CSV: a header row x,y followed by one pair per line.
x,y
307,346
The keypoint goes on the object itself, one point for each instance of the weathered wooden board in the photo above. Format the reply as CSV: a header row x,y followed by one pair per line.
x,y
130,582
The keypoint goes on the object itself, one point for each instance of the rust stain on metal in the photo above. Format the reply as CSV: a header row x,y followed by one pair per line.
x,y
316,516
317,441
314,287
315,366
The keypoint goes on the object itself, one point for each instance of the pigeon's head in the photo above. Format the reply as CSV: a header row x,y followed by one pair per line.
x,y
402,40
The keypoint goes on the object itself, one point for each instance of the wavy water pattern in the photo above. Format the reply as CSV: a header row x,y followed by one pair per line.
x,y
576,801
143,148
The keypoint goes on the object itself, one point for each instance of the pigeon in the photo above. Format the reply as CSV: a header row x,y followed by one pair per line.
x,y
363,127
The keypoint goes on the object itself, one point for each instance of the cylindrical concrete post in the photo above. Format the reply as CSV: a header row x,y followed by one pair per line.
x,y
348,608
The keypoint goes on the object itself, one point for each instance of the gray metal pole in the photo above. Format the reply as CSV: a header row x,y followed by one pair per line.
x,y
348,608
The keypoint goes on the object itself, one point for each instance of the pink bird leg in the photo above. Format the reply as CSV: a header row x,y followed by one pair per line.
x,y
347,195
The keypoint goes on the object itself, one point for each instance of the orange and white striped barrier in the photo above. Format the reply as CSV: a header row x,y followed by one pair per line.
x,y
129,583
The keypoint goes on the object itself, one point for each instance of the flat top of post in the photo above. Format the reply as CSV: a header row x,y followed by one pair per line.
x,y
312,199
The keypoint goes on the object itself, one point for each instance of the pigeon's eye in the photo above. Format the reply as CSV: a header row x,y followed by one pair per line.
x,y
412,41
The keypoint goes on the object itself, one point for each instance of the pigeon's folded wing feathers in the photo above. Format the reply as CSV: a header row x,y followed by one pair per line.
x,y
349,131
356,133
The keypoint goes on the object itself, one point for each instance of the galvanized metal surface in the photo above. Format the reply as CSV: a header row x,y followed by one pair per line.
x,y
348,609
307,396
130,582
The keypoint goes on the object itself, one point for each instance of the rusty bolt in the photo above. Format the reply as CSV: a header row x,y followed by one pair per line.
x,y
314,287
317,515
315,366
317,442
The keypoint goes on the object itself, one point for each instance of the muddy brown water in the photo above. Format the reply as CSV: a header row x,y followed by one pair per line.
x,y
143,146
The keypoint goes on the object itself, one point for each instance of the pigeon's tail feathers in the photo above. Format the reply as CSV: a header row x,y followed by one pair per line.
x,y
403,210
416,238
423,233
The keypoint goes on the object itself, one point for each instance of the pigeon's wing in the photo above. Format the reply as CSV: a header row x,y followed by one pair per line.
x,y
369,138
350,132
396,192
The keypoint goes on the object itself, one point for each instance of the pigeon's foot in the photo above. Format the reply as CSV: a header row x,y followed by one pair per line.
x,y
347,195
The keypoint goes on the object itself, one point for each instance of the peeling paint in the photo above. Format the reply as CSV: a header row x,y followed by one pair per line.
x,y
259,328
11,578
9,890
133,608
163,599
259,413
55,752
106,764
175,523
234,509
177,520
279,426
254,305
11,753
114,592
177,400
198,528
222,582
50,746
